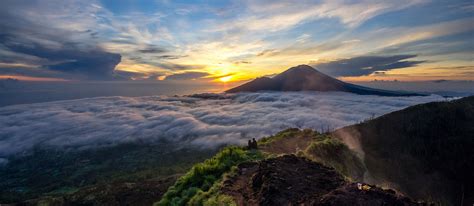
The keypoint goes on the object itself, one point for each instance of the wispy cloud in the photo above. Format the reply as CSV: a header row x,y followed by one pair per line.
x,y
279,15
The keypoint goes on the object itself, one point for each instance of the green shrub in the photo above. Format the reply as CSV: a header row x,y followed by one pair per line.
x,y
203,176
220,200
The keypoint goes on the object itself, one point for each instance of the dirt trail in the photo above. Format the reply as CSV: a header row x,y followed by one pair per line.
x,y
285,180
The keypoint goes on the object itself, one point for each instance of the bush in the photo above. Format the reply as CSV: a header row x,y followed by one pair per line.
x,y
203,176
220,200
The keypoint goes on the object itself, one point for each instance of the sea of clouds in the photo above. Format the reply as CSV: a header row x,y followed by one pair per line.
x,y
215,119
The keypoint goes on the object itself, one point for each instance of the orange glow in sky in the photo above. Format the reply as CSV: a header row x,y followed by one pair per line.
x,y
225,79
355,40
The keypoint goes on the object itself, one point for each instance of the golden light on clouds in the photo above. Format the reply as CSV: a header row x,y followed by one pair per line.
x,y
225,79
254,39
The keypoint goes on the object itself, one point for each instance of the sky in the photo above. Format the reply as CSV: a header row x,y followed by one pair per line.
x,y
233,41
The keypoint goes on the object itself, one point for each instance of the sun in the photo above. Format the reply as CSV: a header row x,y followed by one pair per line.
x,y
225,79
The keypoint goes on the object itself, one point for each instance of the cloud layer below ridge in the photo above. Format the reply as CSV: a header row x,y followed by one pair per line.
x,y
232,119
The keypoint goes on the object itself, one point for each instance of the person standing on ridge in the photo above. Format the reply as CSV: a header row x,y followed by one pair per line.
x,y
254,143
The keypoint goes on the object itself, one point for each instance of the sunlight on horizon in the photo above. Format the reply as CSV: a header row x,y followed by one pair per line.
x,y
143,40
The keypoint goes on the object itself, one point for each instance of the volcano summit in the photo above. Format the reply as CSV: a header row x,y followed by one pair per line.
x,y
306,78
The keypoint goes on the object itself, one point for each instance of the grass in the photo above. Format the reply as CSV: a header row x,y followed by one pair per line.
x,y
287,133
213,197
333,153
201,182
200,186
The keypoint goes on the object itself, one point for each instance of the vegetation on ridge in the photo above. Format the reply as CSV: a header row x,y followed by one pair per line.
x,y
202,176
201,185
332,152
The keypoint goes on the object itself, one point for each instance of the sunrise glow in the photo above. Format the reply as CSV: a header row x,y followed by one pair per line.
x,y
236,102
149,39
225,79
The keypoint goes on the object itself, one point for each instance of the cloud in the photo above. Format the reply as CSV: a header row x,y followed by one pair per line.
x,y
187,76
364,65
128,75
230,118
65,56
177,67
273,16
66,48
152,50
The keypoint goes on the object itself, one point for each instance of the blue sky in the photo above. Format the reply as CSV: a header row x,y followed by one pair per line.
x,y
216,41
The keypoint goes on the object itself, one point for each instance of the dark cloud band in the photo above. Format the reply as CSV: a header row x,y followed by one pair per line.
x,y
187,76
364,65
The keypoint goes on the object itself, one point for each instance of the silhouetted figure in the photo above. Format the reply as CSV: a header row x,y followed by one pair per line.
x,y
254,143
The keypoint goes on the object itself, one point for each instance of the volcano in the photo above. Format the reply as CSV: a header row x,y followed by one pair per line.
x,y
306,78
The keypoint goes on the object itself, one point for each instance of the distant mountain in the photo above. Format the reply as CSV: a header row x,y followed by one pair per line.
x,y
9,83
306,78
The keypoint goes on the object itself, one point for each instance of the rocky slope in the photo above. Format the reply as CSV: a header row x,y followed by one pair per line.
x,y
292,180
282,171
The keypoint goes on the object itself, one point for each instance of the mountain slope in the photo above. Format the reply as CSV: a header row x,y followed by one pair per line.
x,y
109,173
305,78
425,151
272,175
292,180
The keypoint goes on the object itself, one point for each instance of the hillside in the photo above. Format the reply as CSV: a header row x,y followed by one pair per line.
x,y
126,173
425,151
292,180
278,173
306,78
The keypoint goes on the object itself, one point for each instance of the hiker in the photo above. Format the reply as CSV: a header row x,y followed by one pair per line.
x,y
254,143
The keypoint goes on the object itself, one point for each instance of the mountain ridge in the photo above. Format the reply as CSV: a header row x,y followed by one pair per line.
x,y
425,149
286,166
